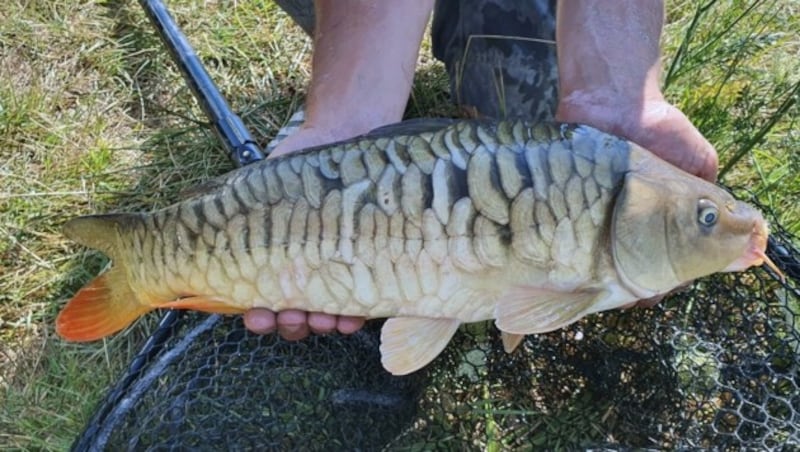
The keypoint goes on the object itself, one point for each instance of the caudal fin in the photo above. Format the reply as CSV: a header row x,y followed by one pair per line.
x,y
96,311
107,304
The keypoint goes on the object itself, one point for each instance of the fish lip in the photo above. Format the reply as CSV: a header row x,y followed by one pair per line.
x,y
755,253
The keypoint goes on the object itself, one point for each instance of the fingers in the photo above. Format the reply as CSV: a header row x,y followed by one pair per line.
x,y
294,325
349,325
667,132
260,321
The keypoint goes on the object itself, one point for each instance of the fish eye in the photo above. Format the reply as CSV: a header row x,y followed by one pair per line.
x,y
707,213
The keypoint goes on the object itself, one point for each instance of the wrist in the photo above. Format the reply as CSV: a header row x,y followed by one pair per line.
x,y
607,110
310,134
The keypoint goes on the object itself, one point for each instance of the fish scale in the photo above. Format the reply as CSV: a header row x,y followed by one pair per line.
x,y
431,224
476,227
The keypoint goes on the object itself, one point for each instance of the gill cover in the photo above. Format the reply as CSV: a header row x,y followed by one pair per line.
x,y
639,237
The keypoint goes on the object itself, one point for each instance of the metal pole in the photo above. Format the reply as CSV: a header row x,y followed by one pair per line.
x,y
230,129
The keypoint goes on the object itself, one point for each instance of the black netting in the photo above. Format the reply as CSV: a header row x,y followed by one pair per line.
x,y
216,385
713,366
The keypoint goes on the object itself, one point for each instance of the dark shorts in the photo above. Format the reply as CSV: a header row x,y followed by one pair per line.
x,y
500,55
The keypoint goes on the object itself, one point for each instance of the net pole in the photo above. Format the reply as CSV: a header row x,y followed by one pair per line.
x,y
238,142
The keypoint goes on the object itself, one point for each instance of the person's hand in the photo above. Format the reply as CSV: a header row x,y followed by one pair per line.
x,y
655,124
609,61
365,53
295,325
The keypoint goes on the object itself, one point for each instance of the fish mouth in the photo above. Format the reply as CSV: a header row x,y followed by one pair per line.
x,y
755,254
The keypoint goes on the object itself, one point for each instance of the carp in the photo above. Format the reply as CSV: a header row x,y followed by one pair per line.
x,y
430,223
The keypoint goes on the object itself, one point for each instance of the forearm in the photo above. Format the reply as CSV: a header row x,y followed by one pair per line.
x,y
365,54
609,71
608,51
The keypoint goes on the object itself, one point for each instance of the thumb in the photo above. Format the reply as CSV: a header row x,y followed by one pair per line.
x,y
669,134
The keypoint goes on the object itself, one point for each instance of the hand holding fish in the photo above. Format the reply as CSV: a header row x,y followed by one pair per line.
x,y
293,324
615,88
655,125
361,80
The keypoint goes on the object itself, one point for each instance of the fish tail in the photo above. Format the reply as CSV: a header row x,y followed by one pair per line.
x,y
107,304
102,307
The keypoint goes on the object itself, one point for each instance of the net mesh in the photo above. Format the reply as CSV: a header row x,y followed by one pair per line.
x,y
715,365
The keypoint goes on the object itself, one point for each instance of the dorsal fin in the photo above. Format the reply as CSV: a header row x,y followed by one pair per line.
x,y
209,186
414,126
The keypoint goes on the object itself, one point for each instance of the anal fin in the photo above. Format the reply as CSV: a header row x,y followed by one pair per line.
x,y
202,303
409,343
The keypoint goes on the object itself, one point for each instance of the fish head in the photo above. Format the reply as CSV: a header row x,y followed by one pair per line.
x,y
670,228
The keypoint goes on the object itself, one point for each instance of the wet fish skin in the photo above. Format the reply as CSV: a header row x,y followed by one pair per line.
x,y
433,225
261,237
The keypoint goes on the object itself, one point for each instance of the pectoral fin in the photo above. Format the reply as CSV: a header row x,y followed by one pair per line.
x,y
511,341
530,311
409,343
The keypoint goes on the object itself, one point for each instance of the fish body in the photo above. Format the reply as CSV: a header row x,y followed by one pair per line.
x,y
430,224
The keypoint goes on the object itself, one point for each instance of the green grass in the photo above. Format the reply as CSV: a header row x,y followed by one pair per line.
x,y
733,69
95,118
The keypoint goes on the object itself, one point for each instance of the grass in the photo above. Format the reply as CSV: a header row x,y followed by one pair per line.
x,y
95,118
734,72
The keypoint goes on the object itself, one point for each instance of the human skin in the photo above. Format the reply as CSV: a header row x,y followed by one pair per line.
x,y
365,53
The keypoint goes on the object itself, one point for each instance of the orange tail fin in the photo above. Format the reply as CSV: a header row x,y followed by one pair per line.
x,y
107,304
96,311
